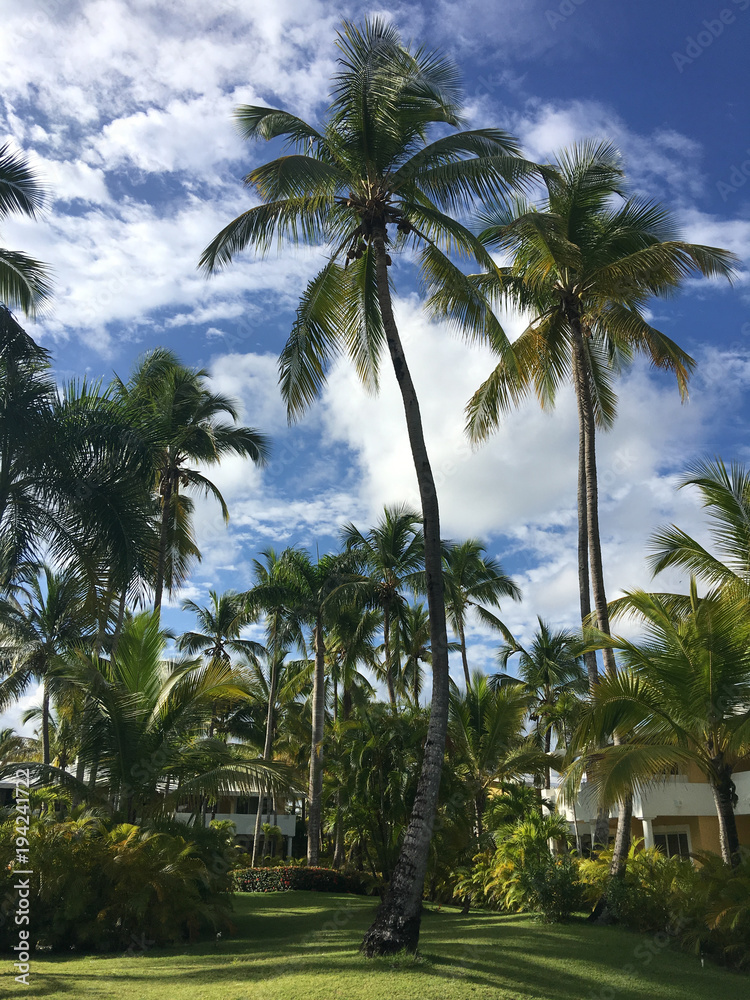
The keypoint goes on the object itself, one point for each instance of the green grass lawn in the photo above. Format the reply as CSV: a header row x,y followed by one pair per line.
x,y
304,946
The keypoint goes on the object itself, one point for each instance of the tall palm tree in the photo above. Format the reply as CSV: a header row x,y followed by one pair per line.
x,y
180,418
366,171
585,266
312,592
548,669
472,581
24,282
39,635
682,698
392,555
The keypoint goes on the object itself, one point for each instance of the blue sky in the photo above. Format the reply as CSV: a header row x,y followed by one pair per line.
x,y
125,110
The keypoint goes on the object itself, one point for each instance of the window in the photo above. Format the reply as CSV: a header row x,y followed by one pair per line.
x,y
674,845
249,806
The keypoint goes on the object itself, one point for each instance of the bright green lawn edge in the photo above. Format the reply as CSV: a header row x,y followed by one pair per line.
x,y
304,946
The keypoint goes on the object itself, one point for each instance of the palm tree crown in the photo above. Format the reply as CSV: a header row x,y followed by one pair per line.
x,y
24,282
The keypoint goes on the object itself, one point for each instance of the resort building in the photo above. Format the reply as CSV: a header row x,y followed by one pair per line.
x,y
676,814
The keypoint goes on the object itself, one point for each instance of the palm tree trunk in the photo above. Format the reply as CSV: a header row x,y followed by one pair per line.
x,y
464,658
315,786
588,531
396,925
622,837
583,387
723,790
338,847
161,564
584,589
45,721
387,651
267,747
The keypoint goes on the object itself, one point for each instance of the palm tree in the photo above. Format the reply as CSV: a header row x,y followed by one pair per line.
x,y
222,622
471,581
486,736
549,669
585,267
366,169
144,735
392,555
39,636
682,698
726,496
181,420
414,647
24,282
26,393
311,592
350,645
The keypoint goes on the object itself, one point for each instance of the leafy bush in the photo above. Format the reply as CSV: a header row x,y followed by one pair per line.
x,y
645,895
104,887
551,888
715,912
704,907
521,874
283,879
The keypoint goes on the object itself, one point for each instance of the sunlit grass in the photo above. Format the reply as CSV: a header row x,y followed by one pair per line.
x,y
304,946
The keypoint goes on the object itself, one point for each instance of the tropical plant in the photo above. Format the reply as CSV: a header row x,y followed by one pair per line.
x,y
682,698
485,734
585,266
143,735
24,282
179,418
392,555
38,636
473,581
549,669
725,494
311,592
366,169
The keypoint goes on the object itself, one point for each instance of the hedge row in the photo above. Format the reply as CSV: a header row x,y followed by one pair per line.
x,y
283,879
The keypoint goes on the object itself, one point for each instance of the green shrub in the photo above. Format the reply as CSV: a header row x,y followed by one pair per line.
x,y
283,879
551,887
645,896
102,887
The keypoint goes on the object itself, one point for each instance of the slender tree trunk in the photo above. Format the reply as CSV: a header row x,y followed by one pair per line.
x,y
267,747
315,786
723,790
387,651
589,489
397,922
45,721
161,565
583,386
584,590
464,658
338,837
622,837
120,619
